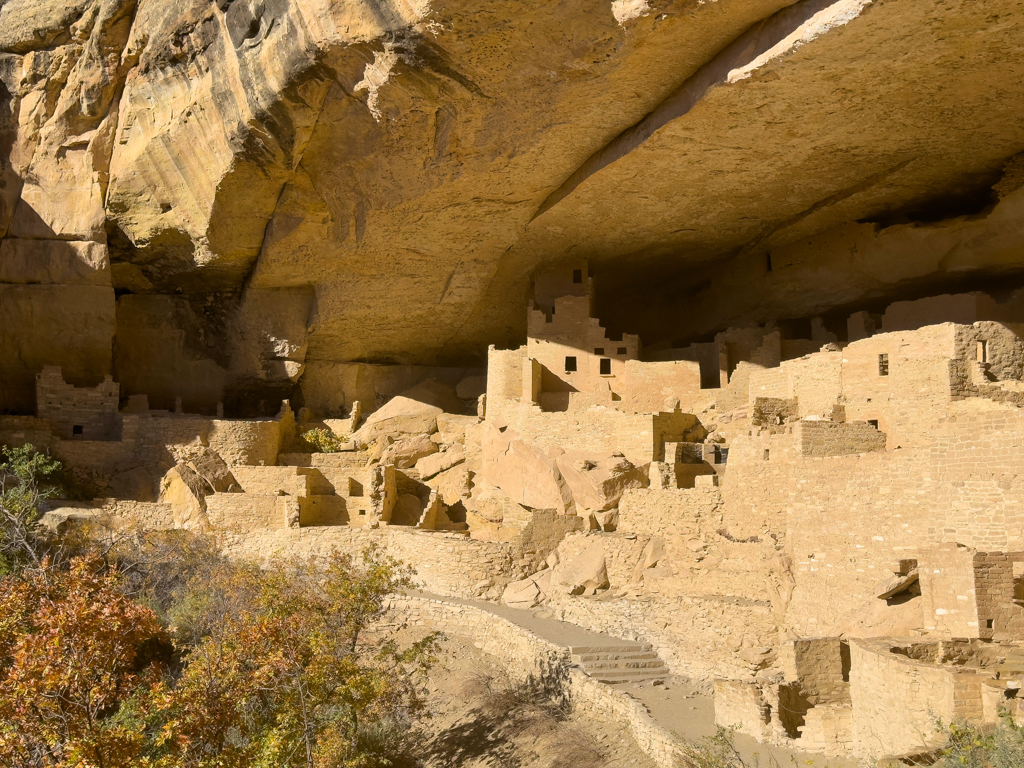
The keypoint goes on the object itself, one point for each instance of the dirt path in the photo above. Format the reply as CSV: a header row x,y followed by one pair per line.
x,y
677,706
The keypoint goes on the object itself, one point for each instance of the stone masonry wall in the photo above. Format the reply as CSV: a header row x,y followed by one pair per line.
x,y
245,511
598,430
818,664
699,637
271,480
86,413
666,513
900,704
829,438
526,656
446,564
847,519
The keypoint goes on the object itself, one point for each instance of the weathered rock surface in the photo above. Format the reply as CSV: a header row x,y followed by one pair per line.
x,y
597,483
526,474
585,573
407,451
414,412
211,200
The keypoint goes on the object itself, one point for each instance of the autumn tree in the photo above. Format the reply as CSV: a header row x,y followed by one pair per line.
x,y
27,478
73,648
160,652
293,669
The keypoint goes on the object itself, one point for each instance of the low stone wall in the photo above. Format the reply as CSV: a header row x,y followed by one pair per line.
x,y
446,564
525,655
16,431
900,704
325,510
153,516
271,480
698,637
740,705
245,511
665,513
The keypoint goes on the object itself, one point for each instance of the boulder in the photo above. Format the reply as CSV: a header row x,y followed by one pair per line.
x,y
435,393
490,510
543,581
653,554
182,488
597,483
399,416
585,573
211,469
453,427
413,412
523,471
406,451
522,594
436,463
455,484
897,584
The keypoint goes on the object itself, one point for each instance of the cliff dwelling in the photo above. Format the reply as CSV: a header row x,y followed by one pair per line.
x,y
697,328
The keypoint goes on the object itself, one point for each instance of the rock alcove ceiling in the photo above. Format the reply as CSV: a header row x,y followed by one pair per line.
x,y
205,198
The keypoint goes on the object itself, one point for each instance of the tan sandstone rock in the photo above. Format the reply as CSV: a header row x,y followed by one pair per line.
x,y
597,483
523,472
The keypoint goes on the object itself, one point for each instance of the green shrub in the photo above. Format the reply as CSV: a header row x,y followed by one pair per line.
x,y
971,746
27,478
323,440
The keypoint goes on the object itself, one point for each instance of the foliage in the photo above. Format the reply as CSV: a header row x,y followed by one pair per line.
x,y
971,746
288,670
158,652
718,751
72,649
322,440
27,477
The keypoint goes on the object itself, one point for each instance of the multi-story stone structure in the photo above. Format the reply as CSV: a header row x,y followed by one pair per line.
x,y
826,529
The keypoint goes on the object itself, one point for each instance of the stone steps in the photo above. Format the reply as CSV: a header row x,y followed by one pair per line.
x,y
577,650
616,676
624,664
639,656
620,663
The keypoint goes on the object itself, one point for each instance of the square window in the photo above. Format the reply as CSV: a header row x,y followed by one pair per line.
x,y
570,364
621,351
77,429
989,623
606,366
598,350
873,423
883,365
577,275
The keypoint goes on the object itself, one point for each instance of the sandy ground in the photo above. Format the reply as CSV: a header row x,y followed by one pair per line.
x,y
677,705
479,718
